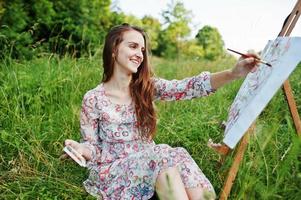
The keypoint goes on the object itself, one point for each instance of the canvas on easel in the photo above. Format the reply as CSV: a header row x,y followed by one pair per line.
x,y
271,52
260,86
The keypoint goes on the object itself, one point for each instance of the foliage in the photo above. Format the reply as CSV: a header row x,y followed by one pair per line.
x,y
1,9
211,41
191,49
75,27
152,26
13,25
130,19
177,20
32,28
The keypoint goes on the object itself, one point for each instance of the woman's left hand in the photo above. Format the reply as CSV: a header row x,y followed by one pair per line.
x,y
245,65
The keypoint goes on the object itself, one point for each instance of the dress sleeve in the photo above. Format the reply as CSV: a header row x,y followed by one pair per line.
x,y
89,119
188,88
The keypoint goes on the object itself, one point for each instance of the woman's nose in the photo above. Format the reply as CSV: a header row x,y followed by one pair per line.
x,y
139,54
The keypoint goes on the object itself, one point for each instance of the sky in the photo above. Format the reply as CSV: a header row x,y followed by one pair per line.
x,y
243,24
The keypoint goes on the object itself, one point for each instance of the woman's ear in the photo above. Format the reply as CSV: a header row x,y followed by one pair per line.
x,y
114,54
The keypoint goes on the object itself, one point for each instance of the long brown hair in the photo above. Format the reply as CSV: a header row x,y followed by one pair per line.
x,y
141,86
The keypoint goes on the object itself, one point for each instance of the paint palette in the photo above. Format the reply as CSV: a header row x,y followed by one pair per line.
x,y
77,157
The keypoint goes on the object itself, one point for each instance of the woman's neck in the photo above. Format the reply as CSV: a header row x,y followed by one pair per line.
x,y
121,82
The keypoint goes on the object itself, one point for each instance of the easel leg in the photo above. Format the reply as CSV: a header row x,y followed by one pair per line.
x,y
286,31
292,105
234,168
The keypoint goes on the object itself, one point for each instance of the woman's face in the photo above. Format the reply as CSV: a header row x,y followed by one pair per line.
x,y
130,52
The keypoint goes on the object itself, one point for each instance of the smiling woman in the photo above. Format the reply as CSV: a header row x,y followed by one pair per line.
x,y
118,124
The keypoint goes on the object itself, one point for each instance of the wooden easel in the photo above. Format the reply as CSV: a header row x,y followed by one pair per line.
x,y
223,149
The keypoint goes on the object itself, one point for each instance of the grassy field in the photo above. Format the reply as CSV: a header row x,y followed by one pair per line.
x,y
39,108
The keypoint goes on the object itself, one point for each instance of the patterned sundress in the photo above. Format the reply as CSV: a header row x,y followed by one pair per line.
x,y
124,166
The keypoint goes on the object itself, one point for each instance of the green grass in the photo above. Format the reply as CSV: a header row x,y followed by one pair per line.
x,y
39,108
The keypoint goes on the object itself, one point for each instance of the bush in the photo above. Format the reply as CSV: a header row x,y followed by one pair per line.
x,y
75,27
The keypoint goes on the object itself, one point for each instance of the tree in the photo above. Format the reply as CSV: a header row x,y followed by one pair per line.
x,y
1,8
211,41
13,23
132,20
177,19
152,26
58,26
190,49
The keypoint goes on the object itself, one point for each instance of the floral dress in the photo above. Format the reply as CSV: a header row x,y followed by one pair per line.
x,y
123,166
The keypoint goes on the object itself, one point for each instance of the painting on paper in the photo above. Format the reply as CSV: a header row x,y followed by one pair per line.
x,y
260,86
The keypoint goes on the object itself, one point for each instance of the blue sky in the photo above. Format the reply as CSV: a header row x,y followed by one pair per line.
x,y
243,24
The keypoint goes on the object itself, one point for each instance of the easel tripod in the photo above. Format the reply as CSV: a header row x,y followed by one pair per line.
x,y
287,28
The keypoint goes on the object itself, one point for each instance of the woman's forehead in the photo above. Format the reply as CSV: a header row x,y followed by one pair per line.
x,y
133,36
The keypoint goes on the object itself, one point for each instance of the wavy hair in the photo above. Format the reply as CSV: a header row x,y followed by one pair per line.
x,y
141,86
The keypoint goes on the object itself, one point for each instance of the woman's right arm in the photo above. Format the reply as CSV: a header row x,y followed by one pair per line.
x,y
89,119
90,145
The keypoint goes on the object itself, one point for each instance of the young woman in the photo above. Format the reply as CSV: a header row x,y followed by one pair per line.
x,y
118,123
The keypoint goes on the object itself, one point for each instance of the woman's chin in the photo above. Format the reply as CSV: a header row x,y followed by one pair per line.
x,y
134,70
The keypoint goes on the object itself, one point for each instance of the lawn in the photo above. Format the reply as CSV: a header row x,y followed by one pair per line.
x,y
39,108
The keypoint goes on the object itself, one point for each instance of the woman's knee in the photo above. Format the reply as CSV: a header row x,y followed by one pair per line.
x,y
169,185
200,193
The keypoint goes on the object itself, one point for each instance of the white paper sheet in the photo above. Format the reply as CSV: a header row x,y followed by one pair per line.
x,y
283,53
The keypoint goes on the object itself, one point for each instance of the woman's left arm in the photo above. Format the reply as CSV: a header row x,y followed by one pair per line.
x,y
241,69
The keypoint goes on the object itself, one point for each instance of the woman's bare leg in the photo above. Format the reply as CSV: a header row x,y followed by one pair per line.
x,y
169,185
200,193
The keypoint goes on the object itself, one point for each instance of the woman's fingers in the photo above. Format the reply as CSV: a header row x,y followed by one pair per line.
x,y
249,60
71,143
75,145
67,143
253,54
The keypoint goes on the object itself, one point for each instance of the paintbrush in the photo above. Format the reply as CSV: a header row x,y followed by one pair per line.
x,y
248,56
